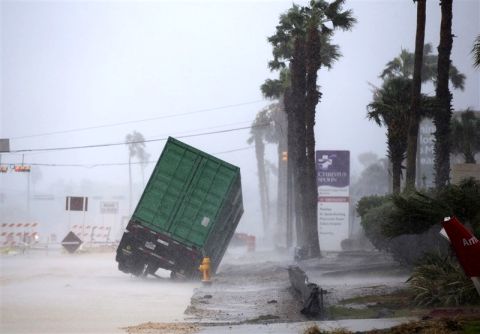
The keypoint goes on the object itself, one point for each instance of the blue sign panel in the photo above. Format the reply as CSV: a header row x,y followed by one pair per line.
x,y
333,168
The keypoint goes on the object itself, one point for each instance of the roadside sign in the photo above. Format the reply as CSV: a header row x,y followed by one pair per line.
x,y
333,180
109,207
4,145
71,242
75,203
44,197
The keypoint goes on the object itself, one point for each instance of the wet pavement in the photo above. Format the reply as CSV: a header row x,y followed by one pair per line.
x,y
56,292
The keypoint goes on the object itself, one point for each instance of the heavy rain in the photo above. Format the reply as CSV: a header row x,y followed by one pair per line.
x,y
262,166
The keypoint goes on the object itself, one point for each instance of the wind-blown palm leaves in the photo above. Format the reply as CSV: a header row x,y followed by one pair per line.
x,y
136,149
402,66
396,89
301,45
466,135
390,108
265,128
440,281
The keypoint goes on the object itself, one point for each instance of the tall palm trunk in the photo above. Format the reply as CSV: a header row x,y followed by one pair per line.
x,y
282,192
312,98
416,91
443,115
396,161
262,182
290,165
396,176
298,104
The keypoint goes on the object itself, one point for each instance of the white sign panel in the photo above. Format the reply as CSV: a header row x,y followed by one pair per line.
x,y
333,179
108,207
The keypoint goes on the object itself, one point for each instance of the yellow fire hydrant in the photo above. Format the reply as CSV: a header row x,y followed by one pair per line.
x,y
206,270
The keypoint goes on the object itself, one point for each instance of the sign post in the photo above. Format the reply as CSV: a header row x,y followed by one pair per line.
x,y
76,203
71,242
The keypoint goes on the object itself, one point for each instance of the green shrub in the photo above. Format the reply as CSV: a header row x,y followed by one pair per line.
x,y
369,202
373,221
416,212
464,201
407,225
440,281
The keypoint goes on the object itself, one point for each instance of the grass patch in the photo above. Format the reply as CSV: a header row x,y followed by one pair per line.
x,y
471,327
438,326
396,304
397,299
341,312
316,330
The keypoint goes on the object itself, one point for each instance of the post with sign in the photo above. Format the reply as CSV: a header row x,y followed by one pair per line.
x,y
109,208
76,203
4,146
333,181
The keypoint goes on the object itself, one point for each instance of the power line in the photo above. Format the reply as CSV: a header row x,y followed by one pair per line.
x,y
133,142
175,134
115,163
138,121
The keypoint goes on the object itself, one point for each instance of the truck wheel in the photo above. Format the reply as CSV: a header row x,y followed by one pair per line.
x,y
122,267
138,269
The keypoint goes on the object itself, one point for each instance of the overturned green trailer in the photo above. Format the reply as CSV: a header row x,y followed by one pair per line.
x,y
189,209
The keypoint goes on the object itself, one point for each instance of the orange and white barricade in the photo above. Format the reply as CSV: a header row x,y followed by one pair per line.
x,y
18,234
92,233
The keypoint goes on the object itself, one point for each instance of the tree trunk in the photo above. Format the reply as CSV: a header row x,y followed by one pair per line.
x,y
262,182
396,176
298,104
416,91
444,113
290,166
468,155
282,202
312,98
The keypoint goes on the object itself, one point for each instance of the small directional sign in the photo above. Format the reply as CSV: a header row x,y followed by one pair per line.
x,y
71,242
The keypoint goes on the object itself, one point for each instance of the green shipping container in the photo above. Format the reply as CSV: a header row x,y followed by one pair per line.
x,y
192,199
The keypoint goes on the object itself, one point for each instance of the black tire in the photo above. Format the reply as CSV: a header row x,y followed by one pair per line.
x,y
122,267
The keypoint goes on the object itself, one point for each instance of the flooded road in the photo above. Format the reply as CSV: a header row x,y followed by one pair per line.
x,y
82,293
55,292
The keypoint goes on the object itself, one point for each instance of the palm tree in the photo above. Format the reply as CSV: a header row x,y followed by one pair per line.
x,y
414,114
279,89
269,126
443,115
466,135
258,133
302,39
136,149
390,108
476,52
402,66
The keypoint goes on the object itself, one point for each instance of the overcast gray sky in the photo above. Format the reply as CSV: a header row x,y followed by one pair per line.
x,y
76,64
